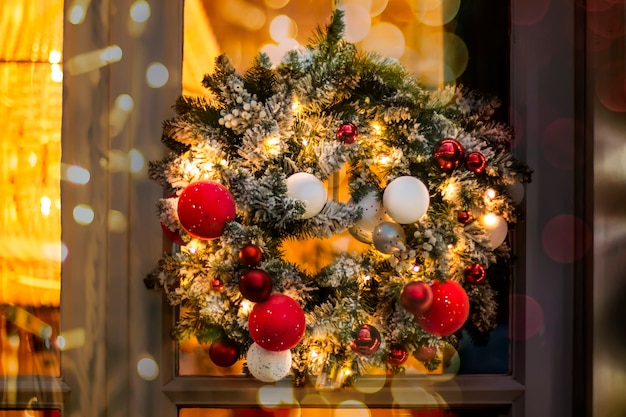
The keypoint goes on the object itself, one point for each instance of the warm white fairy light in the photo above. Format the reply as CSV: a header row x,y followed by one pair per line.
x,y
272,144
245,307
376,127
416,268
450,246
224,162
491,193
305,142
384,160
490,219
296,106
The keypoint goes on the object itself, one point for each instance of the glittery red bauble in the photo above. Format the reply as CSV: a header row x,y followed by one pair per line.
x,y
250,255
448,311
255,285
204,207
425,353
277,324
172,235
224,352
217,284
347,133
449,154
464,217
475,274
397,355
367,341
475,162
416,297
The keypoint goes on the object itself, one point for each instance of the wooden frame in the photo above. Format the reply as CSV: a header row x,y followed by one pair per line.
x,y
103,291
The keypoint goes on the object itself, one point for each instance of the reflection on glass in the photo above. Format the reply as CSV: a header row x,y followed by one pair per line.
x,y
31,251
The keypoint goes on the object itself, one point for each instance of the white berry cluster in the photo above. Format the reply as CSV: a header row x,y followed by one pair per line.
x,y
245,109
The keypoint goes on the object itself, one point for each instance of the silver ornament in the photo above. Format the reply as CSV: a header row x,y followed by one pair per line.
x,y
387,236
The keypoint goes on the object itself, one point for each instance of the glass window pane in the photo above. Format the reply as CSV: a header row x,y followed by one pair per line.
x,y
30,150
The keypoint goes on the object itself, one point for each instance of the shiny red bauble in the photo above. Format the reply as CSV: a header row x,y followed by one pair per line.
x,y
366,341
416,297
224,352
464,217
475,162
277,324
448,154
425,353
250,255
475,273
255,285
397,355
448,311
217,284
347,133
204,208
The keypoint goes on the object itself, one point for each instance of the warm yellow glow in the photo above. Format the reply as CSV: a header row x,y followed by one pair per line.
x,y
46,203
272,145
92,60
384,160
56,73
71,339
416,268
54,57
491,193
137,161
124,102
283,28
377,128
385,39
245,307
490,219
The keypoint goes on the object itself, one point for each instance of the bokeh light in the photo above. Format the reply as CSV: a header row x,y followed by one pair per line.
x,y
147,368
282,28
71,339
408,392
558,143
357,20
566,238
315,405
352,408
83,214
274,396
140,11
610,86
369,385
455,54
117,221
436,12
377,7
529,12
137,161
385,39
157,75
77,175
76,13
276,4
526,317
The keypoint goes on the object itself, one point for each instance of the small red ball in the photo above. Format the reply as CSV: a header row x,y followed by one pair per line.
x,y
277,324
217,284
425,353
416,297
367,341
224,352
250,255
449,154
448,311
255,285
397,355
475,162
347,133
475,274
204,208
464,217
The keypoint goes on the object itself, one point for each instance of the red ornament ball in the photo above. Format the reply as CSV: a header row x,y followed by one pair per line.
x,y
277,324
425,353
367,341
255,285
464,217
217,284
475,162
475,274
250,255
397,355
448,311
449,154
224,352
172,235
347,133
416,297
204,208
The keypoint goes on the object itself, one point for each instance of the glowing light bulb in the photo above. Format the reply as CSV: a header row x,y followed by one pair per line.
x,y
377,128
245,307
384,160
416,268
490,219
491,193
54,57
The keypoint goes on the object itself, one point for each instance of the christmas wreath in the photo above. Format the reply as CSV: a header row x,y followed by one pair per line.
x,y
430,176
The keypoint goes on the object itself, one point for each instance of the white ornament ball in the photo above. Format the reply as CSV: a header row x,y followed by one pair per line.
x,y
373,214
266,365
406,199
309,189
496,228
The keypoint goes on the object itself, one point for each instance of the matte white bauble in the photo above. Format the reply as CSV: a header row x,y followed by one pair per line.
x,y
308,189
266,365
372,214
496,228
406,199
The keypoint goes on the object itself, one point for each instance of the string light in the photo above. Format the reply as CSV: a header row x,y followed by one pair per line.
x,y
376,127
491,193
490,219
416,268
384,159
